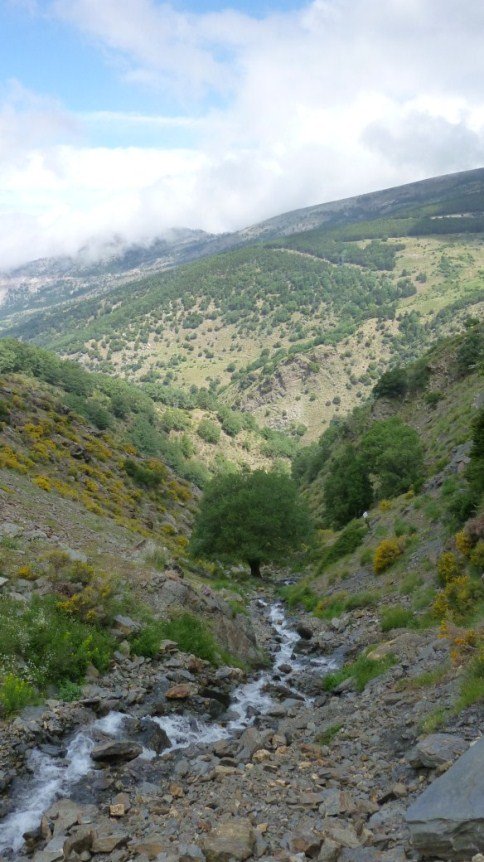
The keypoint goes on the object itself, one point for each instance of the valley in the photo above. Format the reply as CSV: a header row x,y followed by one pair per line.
x,y
157,700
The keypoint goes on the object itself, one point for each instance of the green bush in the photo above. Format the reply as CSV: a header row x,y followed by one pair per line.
x,y
190,633
148,476
208,431
15,694
397,617
348,540
386,554
54,646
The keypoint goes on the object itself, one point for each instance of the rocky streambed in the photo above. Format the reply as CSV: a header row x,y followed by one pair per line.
x,y
175,761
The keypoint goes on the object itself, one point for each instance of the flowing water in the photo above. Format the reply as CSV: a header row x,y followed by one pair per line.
x,y
55,777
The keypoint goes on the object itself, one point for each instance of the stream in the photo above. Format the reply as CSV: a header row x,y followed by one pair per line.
x,y
52,777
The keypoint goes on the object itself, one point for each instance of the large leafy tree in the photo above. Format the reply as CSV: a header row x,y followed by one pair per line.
x,y
347,490
254,517
394,456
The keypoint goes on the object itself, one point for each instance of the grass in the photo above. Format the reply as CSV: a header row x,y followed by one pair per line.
x,y
411,583
327,736
472,687
426,679
362,671
301,595
397,617
435,720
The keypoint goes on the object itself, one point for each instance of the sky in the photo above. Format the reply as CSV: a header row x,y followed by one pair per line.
x,y
130,117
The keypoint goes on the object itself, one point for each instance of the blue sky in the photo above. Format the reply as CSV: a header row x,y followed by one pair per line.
x,y
134,116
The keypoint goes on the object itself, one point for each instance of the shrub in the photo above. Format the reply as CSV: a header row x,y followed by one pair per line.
x,y
15,694
448,568
43,482
348,540
299,594
463,543
386,554
53,646
456,599
149,475
472,688
190,633
477,556
397,617
392,384
208,431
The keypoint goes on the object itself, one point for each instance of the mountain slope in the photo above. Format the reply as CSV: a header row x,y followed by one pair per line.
x,y
278,327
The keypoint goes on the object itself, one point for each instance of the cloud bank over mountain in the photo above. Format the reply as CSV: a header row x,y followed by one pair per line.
x,y
255,115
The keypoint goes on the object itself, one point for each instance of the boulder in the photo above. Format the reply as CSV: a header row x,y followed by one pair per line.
x,y
116,752
153,736
234,839
251,741
447,820
108,842
182,691
150,846
437,749
126,626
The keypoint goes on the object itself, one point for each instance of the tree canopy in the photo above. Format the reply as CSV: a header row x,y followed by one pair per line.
x,y
253,517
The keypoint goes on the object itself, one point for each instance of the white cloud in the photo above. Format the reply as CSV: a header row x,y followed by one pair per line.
x,y
338,98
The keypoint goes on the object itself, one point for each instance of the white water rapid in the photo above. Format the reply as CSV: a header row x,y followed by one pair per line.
x,y
55,777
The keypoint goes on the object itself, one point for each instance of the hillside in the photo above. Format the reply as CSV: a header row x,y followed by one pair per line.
x,y
412,457
298,329
118,690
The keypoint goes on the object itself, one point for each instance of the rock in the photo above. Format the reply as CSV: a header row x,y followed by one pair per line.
x,y
252,740
181,691
126,625
330,851
341,832
48,856
306,842
3,581
437,749
153,736
75,556
64,814
107,843
78,843
234,839
336,802
447,820
190,853
9,530
150,846
304,631
116,752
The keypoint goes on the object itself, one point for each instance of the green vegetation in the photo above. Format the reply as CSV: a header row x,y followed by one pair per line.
x,y
386,554
329,734
41,645
252,517
362,670
397,617
190,633
348,540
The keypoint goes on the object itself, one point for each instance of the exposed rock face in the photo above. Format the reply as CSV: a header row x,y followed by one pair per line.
x,y
447,820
